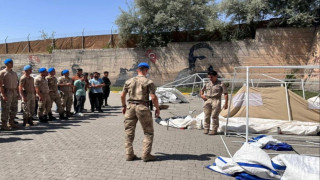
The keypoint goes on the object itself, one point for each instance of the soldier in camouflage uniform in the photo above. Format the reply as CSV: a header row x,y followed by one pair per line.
x,y
211,93
42,90
27,93
66,88
9,91
139,88
54,95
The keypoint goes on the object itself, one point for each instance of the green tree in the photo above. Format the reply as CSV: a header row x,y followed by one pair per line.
x,y
155,20
299,13
248,12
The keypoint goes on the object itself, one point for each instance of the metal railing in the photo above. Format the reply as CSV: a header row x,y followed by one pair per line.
x,y
54,35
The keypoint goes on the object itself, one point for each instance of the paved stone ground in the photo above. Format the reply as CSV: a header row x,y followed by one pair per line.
x,y
92,147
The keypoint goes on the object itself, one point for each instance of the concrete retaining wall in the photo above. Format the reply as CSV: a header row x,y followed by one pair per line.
x,y
279,46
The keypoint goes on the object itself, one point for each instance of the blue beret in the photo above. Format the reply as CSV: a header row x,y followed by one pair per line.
x,y
65,71
27,67
8,61
51,69
42,70
144,64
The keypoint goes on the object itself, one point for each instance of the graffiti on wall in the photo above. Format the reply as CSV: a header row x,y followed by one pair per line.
x,y
34,61
125,74
151,56
76,64
74,68
192,58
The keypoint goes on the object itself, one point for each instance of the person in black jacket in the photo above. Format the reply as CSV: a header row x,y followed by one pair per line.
x,y
106,88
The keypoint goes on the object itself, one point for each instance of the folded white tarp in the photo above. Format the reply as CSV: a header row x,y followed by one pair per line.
x,y
249,159
254,161
298,167
170,95
265,140
256,125
314,102
178,122
264,126
182,122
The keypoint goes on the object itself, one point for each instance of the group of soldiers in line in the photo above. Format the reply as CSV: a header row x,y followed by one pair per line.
x,y
45,89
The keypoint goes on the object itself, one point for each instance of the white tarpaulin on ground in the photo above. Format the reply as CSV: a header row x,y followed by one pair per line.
x,y
254,161
256,125
264,126
314,102
298,167
170,95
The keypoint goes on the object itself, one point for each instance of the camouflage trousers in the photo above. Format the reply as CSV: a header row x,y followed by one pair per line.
x,y
67,100
134,113
55,97
44,105
9,107
28,107
211,109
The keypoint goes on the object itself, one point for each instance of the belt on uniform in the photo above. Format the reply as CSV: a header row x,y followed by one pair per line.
x,y
142,103
218,97
10,89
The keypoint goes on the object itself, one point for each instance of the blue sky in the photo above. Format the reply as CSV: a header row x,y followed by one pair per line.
x,y
65,17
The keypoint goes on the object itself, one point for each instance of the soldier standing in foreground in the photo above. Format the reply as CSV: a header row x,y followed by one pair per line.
x,y
211,93
139,88
9,90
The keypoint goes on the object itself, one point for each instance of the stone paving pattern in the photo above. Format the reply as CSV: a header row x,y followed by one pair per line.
x,y
92,147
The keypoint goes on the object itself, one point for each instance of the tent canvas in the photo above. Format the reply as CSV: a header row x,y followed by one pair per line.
x,y
270,103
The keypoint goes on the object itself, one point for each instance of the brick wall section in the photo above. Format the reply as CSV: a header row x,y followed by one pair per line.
x,y
278,46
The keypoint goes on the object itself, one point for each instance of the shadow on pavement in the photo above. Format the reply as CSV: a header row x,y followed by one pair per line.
x,y
181,157
56,124
12,139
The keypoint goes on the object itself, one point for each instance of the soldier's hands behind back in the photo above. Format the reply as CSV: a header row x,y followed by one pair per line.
x,y
4,98
124,110
157,113
225,106
204,98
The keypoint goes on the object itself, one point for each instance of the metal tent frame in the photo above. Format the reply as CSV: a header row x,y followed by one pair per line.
x,y
247,83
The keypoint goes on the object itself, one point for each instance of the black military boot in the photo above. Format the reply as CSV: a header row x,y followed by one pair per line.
x,y
51,118
69,114
25,122
42,119
31,123
62,117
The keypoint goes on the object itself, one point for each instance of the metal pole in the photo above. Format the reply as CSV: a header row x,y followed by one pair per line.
x,y
83,38
247,106
28,43
6,45
230,100
287,99
302,87
195,77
